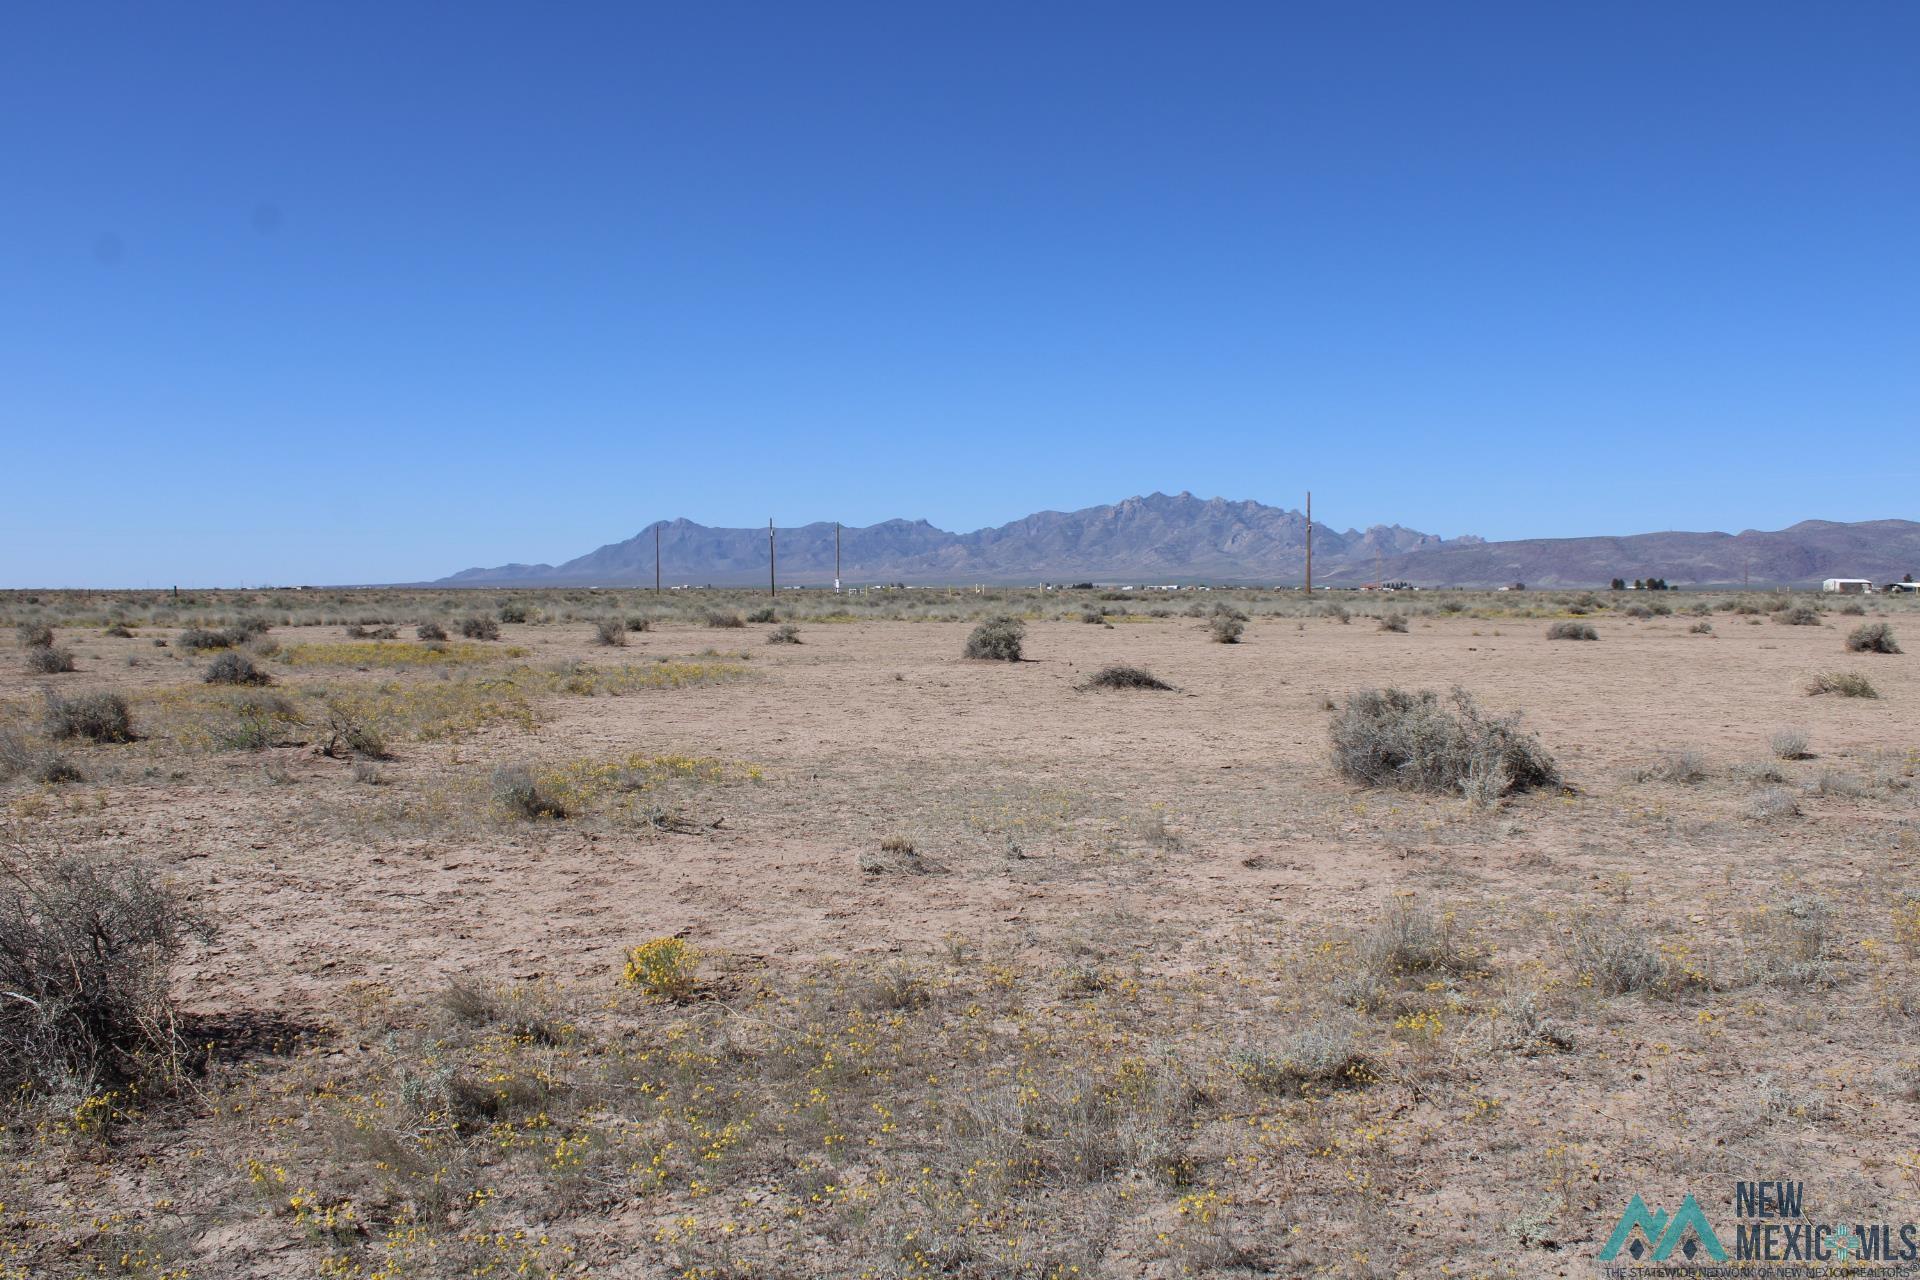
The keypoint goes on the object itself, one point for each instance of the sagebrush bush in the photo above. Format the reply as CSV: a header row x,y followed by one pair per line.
x,y
194,639
1324,1055
762,615
1124,677
99,717
785,633
610,631
1799,615
1772,803
1572,631
1393,622
1683,766
34,635
477,627
19,756
1847,684
1391,737
86,958
999,639
347,730
430,631
519,794
235,668
515,612
1790,744
1872,637
47,660
721,618
1226,628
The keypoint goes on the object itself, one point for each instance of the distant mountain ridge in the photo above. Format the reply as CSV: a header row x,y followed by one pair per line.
x,y
1181,538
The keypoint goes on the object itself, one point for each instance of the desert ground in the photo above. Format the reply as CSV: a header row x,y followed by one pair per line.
x,y
683,951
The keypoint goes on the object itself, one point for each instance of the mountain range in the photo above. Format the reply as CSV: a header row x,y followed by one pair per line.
x,y
1181,538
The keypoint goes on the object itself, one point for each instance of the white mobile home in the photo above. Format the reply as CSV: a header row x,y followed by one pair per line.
x,y
1848,586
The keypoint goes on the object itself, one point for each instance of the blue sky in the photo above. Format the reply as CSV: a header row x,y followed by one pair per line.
x,y
365,292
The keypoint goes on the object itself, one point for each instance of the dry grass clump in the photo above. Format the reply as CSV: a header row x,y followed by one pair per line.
x,y
518,794
785,633
100,716
1790,744
1572,631
48,660
1125,677
1846,684
1684,766
1408,942
477,627
1771,804
1872,637
235,668
1414,741
724,620
1321,1057
997,639
86,957
610,631
1791,943
1614,960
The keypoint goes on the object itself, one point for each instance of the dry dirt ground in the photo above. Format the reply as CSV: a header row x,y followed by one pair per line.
x,y
1124,1010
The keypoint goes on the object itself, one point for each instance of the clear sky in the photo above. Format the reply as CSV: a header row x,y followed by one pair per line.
x,y
378,291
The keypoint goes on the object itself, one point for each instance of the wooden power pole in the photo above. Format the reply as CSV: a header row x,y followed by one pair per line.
x,y
656,557
771,589
1309,542
836,557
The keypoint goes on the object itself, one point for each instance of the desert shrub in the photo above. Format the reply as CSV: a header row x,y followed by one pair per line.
x,y
99,717
639,622
48,660
1799,615
1409,940
1847,684
430,631
359,632
517,793
1390,737
1772,803
1094,617
1337,612
762,615
610,631
196,639
1701,629
665,968
235,668
785,633
896,844
513,611
367,773
86,959
345,729
248,629
1872,637
1789,744
1393,622
1683,766
723,619
34,635
1124,677
1638,611
476,627
118,631
1322,1056
998,639
1790,943
1572,631
1615,960
1853,610
19,756
253,721
1225,628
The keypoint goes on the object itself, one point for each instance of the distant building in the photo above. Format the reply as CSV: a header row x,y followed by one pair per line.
x,y
1848,586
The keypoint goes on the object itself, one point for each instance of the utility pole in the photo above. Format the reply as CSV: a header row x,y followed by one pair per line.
x,y
770,583
656,557
1309,542
836,557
